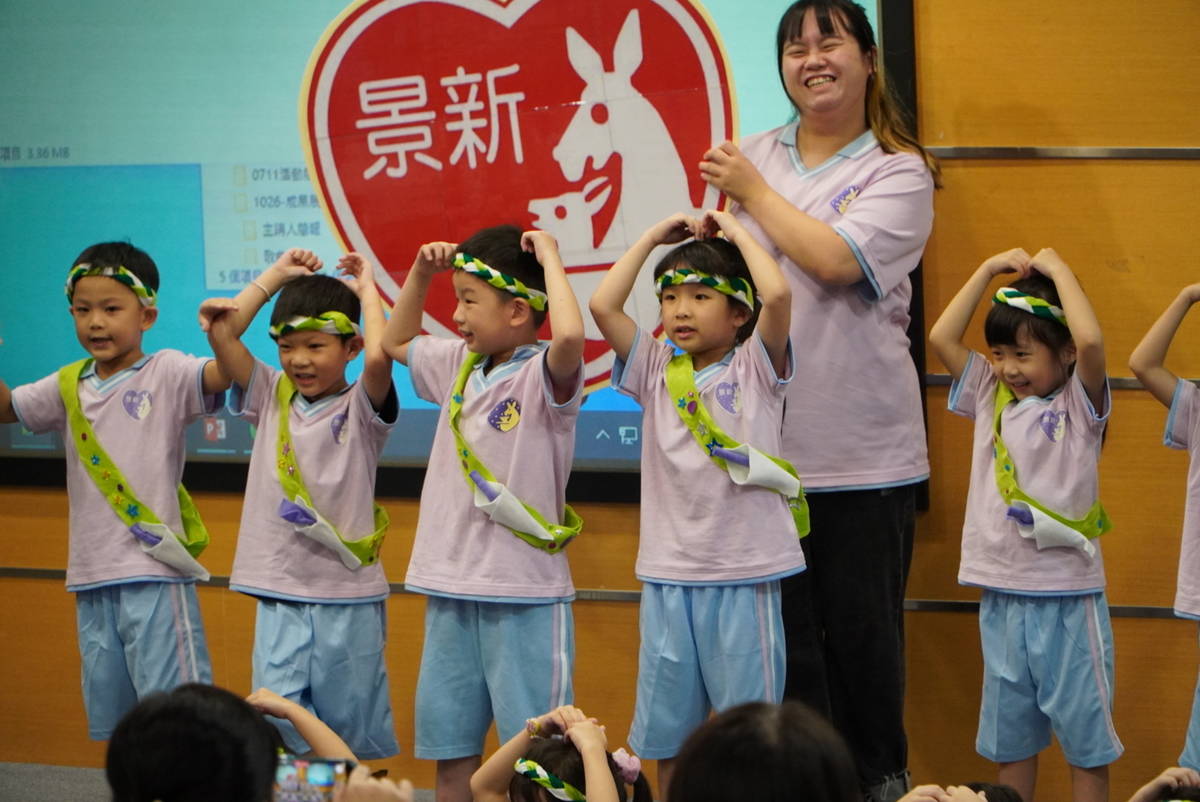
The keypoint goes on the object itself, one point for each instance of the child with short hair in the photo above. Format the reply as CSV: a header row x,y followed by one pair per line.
x,y
1182,398
134,532
310,535
499,637
720,514
1032,515
562,754
768,753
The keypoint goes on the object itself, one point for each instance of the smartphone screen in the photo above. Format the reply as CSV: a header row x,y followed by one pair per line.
x,y
309,779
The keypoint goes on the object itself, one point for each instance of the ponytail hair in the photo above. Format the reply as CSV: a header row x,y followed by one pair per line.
x,y
886,117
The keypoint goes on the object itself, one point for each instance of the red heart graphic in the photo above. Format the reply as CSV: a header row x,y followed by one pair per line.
x,y
429,119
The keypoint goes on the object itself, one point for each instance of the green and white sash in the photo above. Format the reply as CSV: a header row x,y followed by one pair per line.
x,y
297,507
744,463
1035,520
492,497
155,537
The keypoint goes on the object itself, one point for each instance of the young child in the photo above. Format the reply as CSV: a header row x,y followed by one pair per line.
x,y
200,743
717,533
308,546
499,637
1182,398
134,532
768,753
562,754
1032,513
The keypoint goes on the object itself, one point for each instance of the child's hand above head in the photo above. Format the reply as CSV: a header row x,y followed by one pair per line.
x,y
434,257
1015,260
213,310
1171,779
587,735
926,793
542,245
715,220
295,262
676,228
267,701
1048,263
558,721
358,272
962,793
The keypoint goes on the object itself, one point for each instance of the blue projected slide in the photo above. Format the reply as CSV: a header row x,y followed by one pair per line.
x,y
176,127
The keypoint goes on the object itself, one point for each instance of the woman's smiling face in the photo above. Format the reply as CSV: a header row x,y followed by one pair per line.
x,y
825,71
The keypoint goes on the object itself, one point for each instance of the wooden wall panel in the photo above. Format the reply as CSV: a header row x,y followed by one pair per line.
x,y
1025,72
1125,227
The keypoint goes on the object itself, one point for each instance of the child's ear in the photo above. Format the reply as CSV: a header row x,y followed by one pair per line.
x,y
1067,354
354,346
149,315
519,312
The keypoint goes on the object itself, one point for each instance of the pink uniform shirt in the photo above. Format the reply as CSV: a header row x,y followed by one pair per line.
x,y
1183,431
139,416
854,419
1055,444
697,526
338,441
527,441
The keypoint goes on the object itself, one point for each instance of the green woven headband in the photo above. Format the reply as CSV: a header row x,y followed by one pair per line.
x,y
1038,307
501,281
557,788
334,323
122,274
737,288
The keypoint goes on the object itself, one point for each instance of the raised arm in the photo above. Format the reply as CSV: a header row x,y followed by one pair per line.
x,y
377,365
770,285
814,246
607,303
490,781
405,323
324,741
946,336
1081,320
7,413
563,359
226,319
1147,360
589,738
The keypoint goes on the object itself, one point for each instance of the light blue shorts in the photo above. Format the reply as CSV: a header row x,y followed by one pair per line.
x,y
703,647
1047,665
1191,748
328,658
135,639
485,660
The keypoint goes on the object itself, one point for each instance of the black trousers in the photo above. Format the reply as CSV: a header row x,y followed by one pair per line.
x,y
844,622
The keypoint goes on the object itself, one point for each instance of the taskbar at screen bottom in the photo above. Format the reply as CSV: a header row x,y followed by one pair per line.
x,y
604,440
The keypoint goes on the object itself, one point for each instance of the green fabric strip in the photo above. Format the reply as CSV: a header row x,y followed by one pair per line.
x,y
367,548
501,281
335,323
733,286
554,536
681,384
1092,525
145,294
108,478
1038,307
